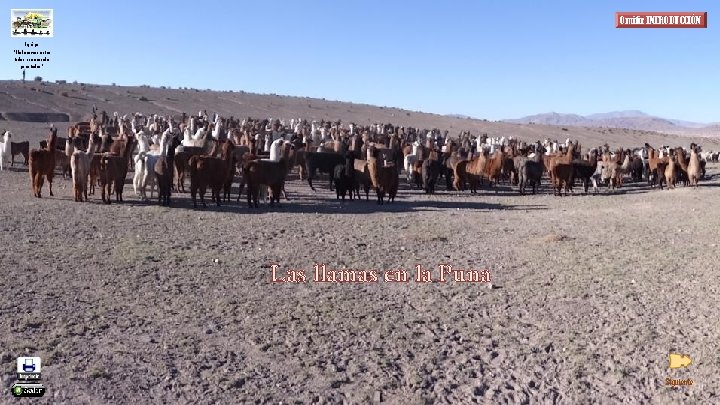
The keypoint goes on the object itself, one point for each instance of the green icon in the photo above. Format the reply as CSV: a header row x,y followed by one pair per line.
x,y
17,391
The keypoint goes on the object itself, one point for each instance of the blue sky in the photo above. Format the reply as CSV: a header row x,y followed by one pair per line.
x,y
487,59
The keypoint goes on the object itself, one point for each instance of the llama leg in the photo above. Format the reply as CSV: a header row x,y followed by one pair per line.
x,y
285,194
39,185
152,187
135,183
33,184
50,179
146,181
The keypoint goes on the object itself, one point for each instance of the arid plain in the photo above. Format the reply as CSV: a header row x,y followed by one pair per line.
x,y
134,302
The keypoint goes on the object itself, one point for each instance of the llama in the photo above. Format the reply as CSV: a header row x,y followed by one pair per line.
x,y
163,170
262,175
410,159
208,171
80,168
139,159
148,164
670,176
384,179
42,163
113,170
693,168
5,149
275,149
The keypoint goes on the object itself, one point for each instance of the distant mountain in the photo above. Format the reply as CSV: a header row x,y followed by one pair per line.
x,y
617,114
690,124
552,118
630,119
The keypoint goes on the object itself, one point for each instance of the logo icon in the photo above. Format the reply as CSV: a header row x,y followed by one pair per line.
x,y
31,23
17,391
679,360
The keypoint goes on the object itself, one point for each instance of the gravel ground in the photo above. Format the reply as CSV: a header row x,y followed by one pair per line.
x,y
138,303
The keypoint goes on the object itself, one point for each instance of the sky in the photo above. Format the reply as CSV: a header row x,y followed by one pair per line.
x,y
481,58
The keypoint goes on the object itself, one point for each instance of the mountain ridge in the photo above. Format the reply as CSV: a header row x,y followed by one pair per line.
x,y
631,119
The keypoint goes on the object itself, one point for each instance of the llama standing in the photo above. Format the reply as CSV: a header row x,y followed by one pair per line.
x,y
42,163
148,166
139,160
5,149
80,169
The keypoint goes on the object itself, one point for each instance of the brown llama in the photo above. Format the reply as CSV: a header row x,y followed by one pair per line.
x,y
42,163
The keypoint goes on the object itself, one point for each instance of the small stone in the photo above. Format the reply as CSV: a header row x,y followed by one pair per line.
x,y
217,260
377,398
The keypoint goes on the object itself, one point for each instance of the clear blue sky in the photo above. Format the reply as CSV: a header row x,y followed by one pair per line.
x,y
487,59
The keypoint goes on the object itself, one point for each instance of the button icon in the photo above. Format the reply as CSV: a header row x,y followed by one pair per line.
x,y
677,360
29,365
28,368
27,390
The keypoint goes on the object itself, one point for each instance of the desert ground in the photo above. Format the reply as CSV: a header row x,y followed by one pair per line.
x,y
134,302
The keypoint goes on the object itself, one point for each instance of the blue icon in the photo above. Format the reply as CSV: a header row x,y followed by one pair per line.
x,y
28,366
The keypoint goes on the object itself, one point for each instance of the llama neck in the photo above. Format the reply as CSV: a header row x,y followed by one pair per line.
x,y
52,141
91,148
129,146
694,157
163,145
69,148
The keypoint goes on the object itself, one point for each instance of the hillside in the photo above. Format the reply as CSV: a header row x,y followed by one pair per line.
x,y
74,102
631,119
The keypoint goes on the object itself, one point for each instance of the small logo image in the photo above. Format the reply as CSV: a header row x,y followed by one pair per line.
x,y
31,23
677,360
28,365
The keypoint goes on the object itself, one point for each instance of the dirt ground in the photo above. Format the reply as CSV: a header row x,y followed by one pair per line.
x,y
134,302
